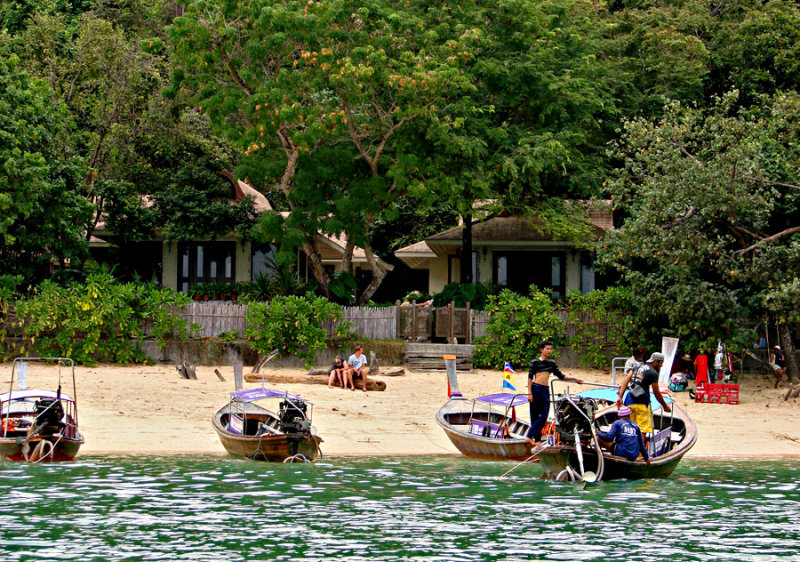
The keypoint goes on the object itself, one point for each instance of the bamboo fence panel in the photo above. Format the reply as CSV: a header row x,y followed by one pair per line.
x,y
368,322
218,317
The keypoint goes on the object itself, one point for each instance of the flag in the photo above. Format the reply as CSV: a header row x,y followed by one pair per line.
x,y
508,376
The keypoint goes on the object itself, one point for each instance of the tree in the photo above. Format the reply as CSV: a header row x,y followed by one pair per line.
x,y
712,200
319,96
39,209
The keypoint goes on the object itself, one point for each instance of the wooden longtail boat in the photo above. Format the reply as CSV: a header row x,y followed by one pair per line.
x,y
572,452
485,427
38,425
249,430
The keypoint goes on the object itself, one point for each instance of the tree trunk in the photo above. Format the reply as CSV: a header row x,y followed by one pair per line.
x,y
466,250
378,274
316,268
789,353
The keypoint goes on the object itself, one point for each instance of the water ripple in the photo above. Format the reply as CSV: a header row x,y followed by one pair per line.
x,y
448,508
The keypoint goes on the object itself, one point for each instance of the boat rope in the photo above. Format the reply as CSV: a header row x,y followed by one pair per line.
x,y
570,473
38,454
296,458
534,452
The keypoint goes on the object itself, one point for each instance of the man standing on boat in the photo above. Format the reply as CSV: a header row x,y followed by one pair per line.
x,y
539,392
639,383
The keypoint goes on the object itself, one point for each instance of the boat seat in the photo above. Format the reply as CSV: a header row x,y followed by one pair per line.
x,y
660,442
235,424
485,429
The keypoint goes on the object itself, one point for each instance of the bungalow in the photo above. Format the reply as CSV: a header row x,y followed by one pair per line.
x,y
512,252
223,260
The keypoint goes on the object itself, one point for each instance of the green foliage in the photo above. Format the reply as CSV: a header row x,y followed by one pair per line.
x,y
602,318
343,286
230,335
460,294
517,324
387,352
291,324
101,319
712,215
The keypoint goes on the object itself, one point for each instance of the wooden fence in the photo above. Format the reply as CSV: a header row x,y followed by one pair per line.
x,y
391,322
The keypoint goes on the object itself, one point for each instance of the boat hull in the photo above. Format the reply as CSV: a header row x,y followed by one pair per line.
x,y
556,458
454,418
272,447
64,451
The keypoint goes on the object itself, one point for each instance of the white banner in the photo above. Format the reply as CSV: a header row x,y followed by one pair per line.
x,y
22,376
669,347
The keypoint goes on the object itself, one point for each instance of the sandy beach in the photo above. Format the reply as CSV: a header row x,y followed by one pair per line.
x,y
151,410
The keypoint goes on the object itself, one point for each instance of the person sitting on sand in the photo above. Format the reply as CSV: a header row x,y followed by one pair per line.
x,y
356,364
337,373
778,363
624,438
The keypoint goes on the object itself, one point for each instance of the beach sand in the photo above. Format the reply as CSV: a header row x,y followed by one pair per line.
x,y
151,410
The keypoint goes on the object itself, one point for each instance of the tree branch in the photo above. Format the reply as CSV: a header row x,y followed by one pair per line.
x,y
772,238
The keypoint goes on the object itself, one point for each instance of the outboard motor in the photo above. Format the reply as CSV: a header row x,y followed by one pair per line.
x,y
572,413
50,412
292,414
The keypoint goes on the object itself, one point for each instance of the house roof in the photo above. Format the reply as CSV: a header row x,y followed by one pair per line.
x,y
498,230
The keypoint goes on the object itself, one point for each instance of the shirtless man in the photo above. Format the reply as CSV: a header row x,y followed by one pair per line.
x,y
539,391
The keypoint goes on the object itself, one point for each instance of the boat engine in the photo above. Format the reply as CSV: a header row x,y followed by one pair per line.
x,y
572,413
49,413
292,414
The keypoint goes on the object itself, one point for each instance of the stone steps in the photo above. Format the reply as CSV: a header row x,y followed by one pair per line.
x,y
430,356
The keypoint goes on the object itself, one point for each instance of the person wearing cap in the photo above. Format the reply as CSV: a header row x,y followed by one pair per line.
x,y
538,391
778,363
624,438
638,385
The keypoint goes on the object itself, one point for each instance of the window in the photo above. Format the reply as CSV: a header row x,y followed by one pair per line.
x,y
518,270
206,262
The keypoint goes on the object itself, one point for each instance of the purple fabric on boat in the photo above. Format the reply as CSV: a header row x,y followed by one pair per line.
x,y
503,399
252,394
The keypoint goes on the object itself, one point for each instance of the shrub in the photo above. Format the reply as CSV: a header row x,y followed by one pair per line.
x,y
292,325
596,312
101,318
516,326
460,294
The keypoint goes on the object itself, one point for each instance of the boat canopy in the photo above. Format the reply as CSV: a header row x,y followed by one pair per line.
x,y
33,393
503,399
253,394
611,395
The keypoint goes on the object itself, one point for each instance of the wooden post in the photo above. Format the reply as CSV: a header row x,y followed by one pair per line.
x,y
413,321
452,328
238,379
468,323
398,326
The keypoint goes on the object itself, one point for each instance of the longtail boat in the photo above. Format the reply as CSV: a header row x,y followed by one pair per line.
x,y
487,426
38,425
572,451
249,430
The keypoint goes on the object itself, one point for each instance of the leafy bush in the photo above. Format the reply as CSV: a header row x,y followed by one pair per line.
x,y
99,319
597,312
516,326
460,294
292,325
388,352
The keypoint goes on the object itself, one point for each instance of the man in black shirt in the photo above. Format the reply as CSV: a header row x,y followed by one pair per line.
x,y
538,391
638,384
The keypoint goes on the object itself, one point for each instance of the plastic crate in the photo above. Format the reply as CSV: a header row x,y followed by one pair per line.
x,y
717,394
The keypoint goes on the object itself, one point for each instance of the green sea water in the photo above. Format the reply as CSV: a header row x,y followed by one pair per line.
x,y
442,508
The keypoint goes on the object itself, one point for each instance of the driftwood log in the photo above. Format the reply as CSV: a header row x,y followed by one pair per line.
x,y
372,384
219,375
187,371
392,373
